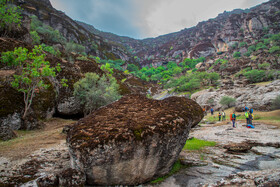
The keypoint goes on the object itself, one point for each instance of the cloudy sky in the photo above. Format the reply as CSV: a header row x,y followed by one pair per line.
x,y
147,18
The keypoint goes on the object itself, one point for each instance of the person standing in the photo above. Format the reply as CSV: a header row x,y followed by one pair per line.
x,y
212,111
220,116
247,117
223,116
233,119
250,117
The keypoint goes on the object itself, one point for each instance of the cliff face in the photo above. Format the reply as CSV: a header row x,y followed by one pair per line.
x,y
207,38
71,30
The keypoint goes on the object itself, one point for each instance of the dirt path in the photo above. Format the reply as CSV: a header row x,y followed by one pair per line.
x,y
30,141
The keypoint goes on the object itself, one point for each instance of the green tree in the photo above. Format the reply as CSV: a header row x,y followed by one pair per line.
x,y
9,15
227,101
33,71
255,75
94,91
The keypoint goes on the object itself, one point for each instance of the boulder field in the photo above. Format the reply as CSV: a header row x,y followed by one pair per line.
x,y
133,140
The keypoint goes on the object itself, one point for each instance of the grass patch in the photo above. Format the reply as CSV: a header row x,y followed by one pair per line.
x,y
262,83
196,144
176,167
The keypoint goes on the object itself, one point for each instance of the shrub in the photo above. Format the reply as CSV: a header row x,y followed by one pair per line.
x,y
242,44
276,103
83,58
237,54
73,47
247,54
264,66
252,48
227,101
94,91
255,75
192,85
35,37
274,49
50,50
261,46
9,15
48,32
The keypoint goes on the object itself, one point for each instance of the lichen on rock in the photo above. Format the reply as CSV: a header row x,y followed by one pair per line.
x,y
133,140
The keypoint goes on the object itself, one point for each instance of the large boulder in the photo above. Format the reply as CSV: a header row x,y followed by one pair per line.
x,y
133,140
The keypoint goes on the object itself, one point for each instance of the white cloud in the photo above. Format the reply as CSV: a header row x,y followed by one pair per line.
x,y
147,18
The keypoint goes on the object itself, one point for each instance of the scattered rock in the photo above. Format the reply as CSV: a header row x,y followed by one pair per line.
x,y
31,122
71,177
6,133
133,140
13,121
48,180
238,147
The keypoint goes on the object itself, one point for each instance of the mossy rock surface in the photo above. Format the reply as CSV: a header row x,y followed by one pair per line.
x,y
11,100
133,116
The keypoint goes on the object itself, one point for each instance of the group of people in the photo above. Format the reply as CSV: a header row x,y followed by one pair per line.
x,y
248,115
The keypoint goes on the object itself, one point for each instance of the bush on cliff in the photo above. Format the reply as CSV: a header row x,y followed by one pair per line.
x,y
94,91
227,101
9,15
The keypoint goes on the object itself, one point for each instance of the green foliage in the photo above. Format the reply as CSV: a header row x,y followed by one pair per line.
x,y
274,49
242,44
247,54
51,50
261,46
192,85
251,48
35,37
94,46
94,91
197,144
50,34
132,68
237,54
83,58
73,47
227,101
33,71
107,68
276,103
193,81
264,66
9,15
255,75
